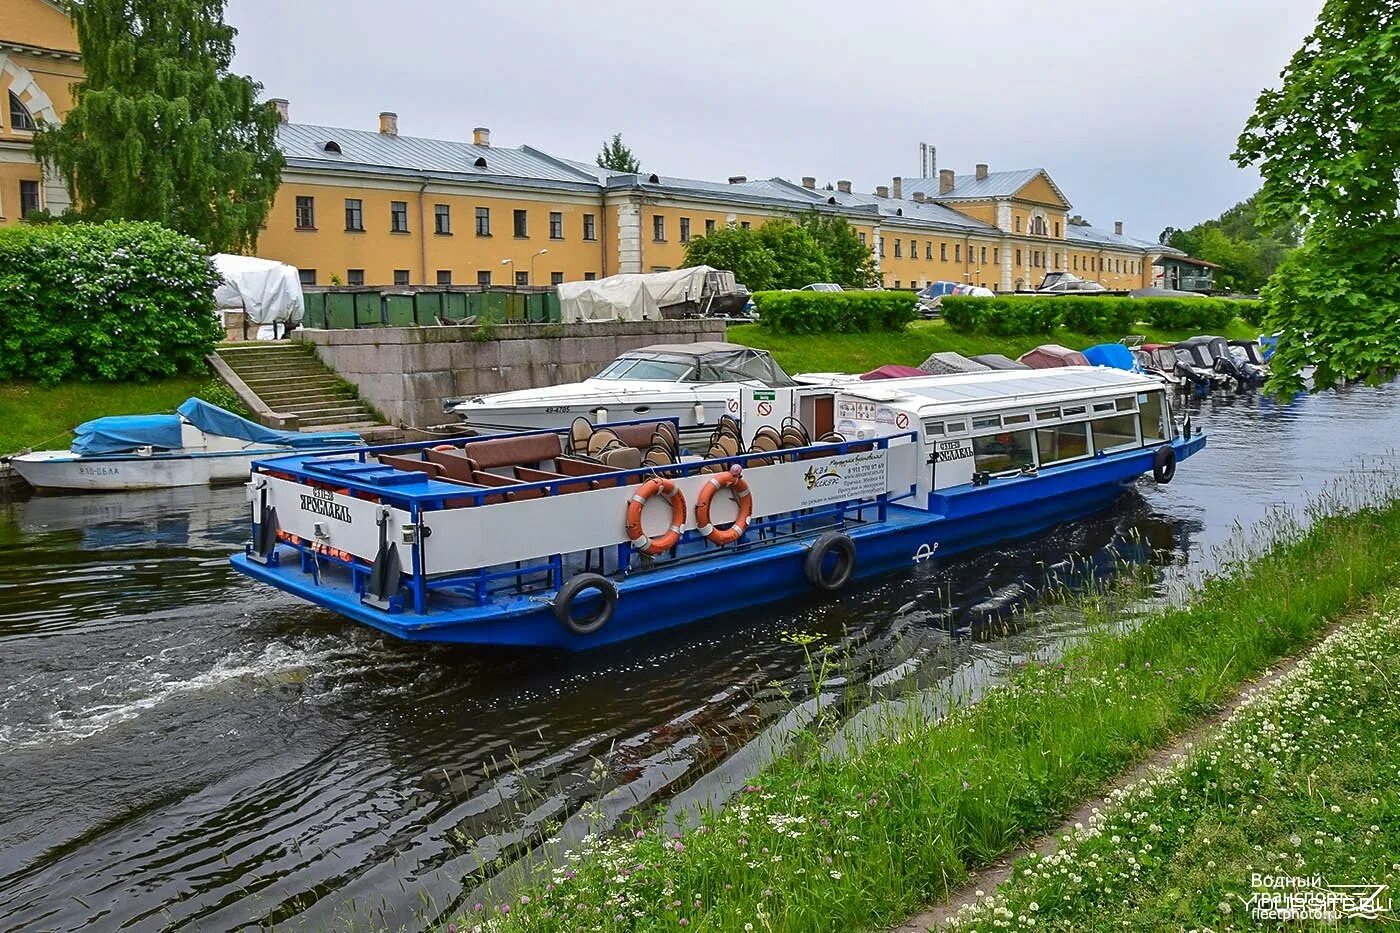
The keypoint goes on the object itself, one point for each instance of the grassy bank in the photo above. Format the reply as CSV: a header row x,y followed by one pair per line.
x,y
1299,783
860,352
38,416
827,843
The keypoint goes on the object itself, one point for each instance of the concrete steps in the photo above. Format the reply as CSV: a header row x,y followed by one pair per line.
x,y
290,379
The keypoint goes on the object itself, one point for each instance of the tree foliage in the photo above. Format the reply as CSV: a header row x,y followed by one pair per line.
x,y
160,129
787,254
1327,143
1246,251
616,156
852,263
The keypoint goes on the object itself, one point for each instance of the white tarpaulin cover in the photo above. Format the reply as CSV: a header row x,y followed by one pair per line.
x,y
633,297
268,291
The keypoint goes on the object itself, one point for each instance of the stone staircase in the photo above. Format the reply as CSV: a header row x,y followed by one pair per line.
x,y
289,379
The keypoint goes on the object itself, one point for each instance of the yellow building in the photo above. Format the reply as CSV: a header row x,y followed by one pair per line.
x,y
39,63
379,208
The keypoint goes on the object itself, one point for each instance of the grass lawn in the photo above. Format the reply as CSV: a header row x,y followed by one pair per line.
x,y
855,353
42,417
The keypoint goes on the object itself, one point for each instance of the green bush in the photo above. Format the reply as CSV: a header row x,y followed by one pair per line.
x,y
798,312
1011,315
111,302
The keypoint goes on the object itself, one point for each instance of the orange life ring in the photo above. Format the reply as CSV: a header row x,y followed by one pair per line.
x,y
661,543
740,487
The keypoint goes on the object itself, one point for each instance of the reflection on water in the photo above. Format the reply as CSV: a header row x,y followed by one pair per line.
x,y
182,748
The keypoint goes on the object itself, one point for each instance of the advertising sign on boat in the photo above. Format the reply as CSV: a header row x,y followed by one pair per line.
x,y
849,476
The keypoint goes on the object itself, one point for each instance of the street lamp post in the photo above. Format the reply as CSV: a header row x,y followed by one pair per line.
x,y
530,279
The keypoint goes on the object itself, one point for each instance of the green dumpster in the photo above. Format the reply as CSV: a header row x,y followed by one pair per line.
x,y
315,316
369,309
398,310
340,310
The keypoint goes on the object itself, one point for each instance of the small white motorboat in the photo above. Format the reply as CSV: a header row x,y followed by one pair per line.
x,y
200,445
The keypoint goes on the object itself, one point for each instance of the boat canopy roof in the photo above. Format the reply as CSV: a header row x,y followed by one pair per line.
x,y
211,419
724,360
1001,390
1110,354
117,433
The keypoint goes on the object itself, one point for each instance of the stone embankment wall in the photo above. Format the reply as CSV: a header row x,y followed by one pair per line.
x,y
407,372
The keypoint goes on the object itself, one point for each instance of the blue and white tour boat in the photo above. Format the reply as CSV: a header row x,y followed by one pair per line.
x,y
589,534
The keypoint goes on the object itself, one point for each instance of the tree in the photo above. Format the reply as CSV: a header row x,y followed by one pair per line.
x,y
852,262
800,258
739,250
1247,249
616,156
160,129
1327,143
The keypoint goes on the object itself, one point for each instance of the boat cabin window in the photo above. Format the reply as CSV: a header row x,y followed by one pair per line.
x,y
1117,431
992,421
1123,404
1023,418
1000,453
1063,442
956,427
933,428
1076,411
660,370
1102,406
706,372
1151,415
1048,414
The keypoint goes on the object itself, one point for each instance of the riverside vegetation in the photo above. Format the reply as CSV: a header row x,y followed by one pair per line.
x,y
820,842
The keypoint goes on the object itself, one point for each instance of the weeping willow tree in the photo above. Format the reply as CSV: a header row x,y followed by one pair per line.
x,y
160,129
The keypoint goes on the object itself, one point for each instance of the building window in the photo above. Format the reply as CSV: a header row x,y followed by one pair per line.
x,y
20,118
556,225
590,276
745,224
354,277
522,224
862,236
398,216
28,198
354,215
928,249
658,228
400,276
1074,263
996,255
984,255
306,213
483,277
306,276
685,229
1057,259
898,247
444,277
522,279
483,221
1018,224
442,220
556,278
942,252
957,252
710,227
1057,228
1018,257
880,246
590,227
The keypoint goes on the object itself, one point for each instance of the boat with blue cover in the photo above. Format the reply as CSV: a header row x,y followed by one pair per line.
x,y
590,534
200,444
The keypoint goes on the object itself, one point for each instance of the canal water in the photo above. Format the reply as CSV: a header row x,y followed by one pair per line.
x,y
181,749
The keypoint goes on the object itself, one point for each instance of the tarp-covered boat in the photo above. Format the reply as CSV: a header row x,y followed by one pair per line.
x,y
1052,356
200,444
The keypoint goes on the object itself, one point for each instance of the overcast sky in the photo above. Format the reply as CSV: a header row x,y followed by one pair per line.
x,y
1132,106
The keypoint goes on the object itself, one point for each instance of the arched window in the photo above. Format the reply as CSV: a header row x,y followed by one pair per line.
x,y
20,118
332,146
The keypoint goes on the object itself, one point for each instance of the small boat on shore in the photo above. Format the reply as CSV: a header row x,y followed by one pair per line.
x,y
199,445
580,536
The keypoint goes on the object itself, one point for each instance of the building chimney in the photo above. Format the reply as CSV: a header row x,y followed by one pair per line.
x,y
843,186
919,196
389,123
898,188
881,191
945,180
282,106
738,179
809,181
981,170
1118,227
481,136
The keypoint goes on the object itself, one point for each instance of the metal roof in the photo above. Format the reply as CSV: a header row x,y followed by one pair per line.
x,y
304,145
909,210
970,187
1003,389
1108,238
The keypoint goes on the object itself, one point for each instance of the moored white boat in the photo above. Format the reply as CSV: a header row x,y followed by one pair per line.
x,y
201,444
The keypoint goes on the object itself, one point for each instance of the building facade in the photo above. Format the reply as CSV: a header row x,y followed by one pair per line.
x,y
374,207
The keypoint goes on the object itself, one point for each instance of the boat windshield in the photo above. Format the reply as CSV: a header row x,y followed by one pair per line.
x,y
658,370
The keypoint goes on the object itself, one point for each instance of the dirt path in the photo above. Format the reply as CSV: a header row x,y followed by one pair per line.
x,y
986,880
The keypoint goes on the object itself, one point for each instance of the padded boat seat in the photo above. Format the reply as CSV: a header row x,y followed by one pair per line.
x,y
636,435
482,478
569,466
527,475
411,464
520,450
453,464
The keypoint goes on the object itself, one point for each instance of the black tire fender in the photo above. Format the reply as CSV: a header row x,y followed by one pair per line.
x,y
814,566
1164,464
563,605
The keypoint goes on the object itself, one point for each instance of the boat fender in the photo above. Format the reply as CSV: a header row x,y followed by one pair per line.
x,y
815,564
570,592
1164,464
663,542
734,481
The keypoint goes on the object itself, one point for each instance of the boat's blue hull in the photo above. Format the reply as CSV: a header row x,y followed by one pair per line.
x,y
961,519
